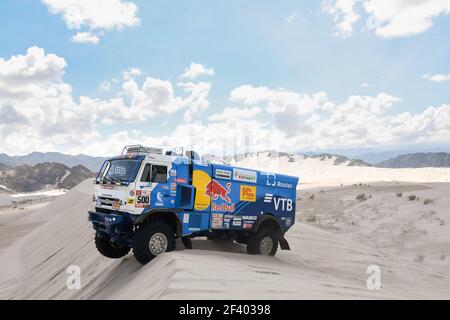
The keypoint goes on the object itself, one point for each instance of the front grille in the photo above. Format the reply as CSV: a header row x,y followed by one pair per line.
x,y
103,201
105,211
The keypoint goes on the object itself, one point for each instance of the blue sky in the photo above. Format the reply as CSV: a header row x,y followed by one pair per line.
x,y
289,46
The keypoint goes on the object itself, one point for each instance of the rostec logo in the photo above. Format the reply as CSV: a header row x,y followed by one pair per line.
x,y
279,203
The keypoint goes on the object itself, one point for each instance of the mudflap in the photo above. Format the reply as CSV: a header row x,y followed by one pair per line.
x,y
284,245
187,242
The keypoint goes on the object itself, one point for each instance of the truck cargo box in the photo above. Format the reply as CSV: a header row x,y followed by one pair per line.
x,y
236,197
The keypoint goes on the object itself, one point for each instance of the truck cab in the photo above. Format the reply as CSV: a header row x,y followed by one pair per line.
x,y
133,182
145,199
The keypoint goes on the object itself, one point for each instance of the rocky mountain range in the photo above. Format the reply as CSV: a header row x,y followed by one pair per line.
x,y
43,176
417,160
335,159
32,159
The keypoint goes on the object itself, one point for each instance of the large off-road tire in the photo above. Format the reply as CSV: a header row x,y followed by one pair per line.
x,y
152,240
264,242
109,249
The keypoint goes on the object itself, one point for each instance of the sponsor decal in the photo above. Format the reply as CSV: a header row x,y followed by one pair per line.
x,y
268,198
173,173
181,180
223,174
130,201
248,225
279,203
217,221
186,218
215,190
159,199
248,193
285,185
223,207
200,179
237,221
244,175
107,186
226,220
289,222
250,218
116,205
270,179
142,198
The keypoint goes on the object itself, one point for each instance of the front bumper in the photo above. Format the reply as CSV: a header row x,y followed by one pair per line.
x,y
118,226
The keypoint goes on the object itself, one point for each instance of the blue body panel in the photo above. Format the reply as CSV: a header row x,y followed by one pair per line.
x,y
250,194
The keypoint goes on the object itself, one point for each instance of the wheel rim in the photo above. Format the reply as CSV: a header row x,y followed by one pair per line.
x,y
266,246
158,243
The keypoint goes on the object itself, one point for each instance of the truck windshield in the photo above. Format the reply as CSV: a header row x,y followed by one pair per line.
x,y
122,171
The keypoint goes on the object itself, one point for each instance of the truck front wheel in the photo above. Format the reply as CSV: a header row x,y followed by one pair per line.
x,y
108,248
265,242
152,240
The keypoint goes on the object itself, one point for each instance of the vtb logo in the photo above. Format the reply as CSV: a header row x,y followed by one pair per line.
x,y
279,203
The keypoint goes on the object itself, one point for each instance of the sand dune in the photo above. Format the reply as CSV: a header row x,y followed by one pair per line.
x,y
322,264
314,172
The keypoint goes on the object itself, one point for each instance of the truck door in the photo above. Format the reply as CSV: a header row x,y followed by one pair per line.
x,y
198,219
152,187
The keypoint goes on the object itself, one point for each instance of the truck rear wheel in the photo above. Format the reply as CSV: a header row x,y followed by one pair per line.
x,y
152,240
264,242
108,248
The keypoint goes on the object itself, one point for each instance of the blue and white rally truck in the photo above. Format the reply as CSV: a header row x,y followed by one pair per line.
x,y
145,200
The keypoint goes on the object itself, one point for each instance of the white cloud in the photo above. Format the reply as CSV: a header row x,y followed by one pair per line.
x,y
195,70
344,14
312,121
38,110
436,77
94,15
359,121
105,86
85,37
401,18
131,73
197,100
34,68
278,100
39,106
366,85
291,18
387,18
236,113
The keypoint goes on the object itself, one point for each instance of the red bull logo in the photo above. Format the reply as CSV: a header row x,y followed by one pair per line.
x,y
215,190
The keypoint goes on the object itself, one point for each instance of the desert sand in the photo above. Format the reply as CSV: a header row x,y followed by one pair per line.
x,y
336,237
